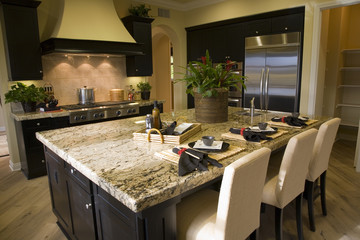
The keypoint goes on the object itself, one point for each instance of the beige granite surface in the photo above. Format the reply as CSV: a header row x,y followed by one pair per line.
x,y
107,154
21,116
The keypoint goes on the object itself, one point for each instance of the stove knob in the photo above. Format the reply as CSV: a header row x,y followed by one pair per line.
x,y
83,117
134,110
129,111
96,115
101,114
118,113
76,118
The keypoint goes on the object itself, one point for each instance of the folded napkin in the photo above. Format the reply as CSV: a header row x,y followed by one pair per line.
x,y
292,121
250,135
191,160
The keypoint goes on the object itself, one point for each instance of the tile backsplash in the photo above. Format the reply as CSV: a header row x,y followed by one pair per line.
x,y
67,73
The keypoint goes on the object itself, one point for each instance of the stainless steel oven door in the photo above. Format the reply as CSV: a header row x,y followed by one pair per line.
x,y
234,102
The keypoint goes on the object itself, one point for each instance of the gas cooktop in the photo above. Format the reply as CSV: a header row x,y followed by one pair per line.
x,y
100,111
96,104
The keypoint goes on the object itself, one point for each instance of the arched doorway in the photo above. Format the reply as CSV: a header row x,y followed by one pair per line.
x,y
166,61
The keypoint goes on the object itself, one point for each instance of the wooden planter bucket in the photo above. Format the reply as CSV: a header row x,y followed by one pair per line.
x,y
212,109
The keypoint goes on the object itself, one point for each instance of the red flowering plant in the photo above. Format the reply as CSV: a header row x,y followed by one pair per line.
x,y
204,78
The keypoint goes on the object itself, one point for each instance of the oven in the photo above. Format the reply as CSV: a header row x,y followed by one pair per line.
x,y
100,111
235,93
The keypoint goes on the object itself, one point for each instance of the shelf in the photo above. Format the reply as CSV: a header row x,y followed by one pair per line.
x,y
350,69
349,124
351,51
349,86
348,105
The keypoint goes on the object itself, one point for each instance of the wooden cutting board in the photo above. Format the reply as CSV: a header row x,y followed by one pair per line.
x,y
174,158
233,136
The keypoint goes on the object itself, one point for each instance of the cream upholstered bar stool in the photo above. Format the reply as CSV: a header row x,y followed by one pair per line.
x,y
318,165
234,213
289,184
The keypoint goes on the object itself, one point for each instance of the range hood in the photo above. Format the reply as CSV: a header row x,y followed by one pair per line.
x,y
88,27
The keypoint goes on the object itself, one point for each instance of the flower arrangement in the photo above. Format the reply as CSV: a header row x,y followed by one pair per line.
x,y
139,11
205,78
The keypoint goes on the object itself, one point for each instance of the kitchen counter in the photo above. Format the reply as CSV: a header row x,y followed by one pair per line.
x,y
128,170
21,116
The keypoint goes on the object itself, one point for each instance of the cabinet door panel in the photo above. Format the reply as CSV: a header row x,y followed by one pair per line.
x,y
58,191
288,23
81,211
258,27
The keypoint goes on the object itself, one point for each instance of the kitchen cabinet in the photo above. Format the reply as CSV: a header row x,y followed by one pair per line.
x,y
71,198
31,151
257,27
21,37
140,30
287,23
348,98
143,110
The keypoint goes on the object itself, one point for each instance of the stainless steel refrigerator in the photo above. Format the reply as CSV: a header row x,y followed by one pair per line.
x,y
272,67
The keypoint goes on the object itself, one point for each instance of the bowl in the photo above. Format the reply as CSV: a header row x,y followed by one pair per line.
x,y
208,140
262,125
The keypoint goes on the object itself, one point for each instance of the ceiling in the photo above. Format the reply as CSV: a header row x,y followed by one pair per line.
x,y
182,5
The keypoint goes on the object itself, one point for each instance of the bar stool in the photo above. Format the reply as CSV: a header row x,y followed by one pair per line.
x,y
318,165
234,213
283,188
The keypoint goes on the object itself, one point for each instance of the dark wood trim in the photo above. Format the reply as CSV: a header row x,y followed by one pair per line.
x,y
63,45
248,18
32,4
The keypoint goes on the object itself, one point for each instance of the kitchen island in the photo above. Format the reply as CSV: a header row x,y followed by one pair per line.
x,y
139,188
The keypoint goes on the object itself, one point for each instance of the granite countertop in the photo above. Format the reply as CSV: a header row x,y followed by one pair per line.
x,y
21,116
128,170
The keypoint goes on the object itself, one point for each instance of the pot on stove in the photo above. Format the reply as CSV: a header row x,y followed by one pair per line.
x,y
86,95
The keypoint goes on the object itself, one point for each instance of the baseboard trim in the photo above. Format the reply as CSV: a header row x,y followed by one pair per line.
x,y
15,166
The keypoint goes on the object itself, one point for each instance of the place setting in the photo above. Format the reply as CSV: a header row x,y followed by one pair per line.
x,y
261,133
293,121
199,154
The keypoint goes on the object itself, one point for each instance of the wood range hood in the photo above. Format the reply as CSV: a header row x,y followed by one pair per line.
x,y
89,27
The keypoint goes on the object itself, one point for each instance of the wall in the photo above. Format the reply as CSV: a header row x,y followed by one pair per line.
x,y
66,74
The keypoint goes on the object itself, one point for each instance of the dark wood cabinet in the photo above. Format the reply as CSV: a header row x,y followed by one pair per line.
x,y
72,203
21,37
143,110
257,27
32,157
288,23
140,30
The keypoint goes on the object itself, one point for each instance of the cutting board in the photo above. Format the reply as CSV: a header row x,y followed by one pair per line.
x,y
233,136
174,158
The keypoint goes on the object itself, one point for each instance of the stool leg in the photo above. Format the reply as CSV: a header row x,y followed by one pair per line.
x,y
299,217
323,193
310,200
278,223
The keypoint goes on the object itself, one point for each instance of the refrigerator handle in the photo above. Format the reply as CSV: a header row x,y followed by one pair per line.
x,y
267,89
261,89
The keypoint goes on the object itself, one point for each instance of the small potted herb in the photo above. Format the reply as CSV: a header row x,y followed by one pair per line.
x,y
145,88
28,96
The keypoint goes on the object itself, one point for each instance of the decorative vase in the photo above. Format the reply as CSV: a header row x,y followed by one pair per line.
x,y
212,109
145,95
29,106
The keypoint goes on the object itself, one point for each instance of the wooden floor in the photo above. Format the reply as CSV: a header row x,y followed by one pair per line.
x,y
25,209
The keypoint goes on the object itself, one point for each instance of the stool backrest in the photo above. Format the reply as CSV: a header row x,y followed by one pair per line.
x,y
294,167
238,213
322,148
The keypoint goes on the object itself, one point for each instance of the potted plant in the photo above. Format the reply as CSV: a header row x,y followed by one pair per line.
x,y
28,96
140,10
209,85
145,88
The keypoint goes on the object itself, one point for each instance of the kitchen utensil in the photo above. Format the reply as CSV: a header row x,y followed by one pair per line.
x,y
208,140
86,95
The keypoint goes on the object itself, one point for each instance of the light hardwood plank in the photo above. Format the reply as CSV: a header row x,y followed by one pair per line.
x,y
25,207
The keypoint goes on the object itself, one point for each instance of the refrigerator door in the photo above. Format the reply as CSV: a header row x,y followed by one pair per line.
x,y
255,63
281,91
